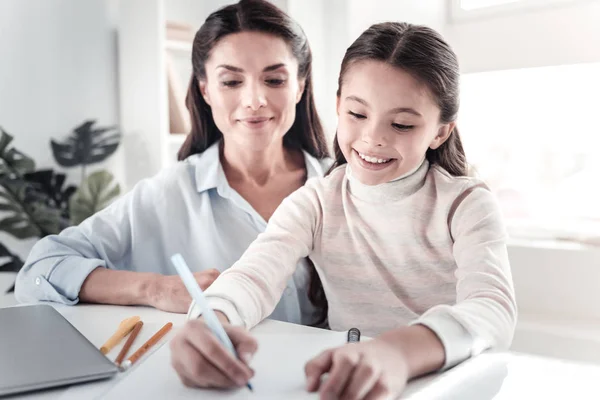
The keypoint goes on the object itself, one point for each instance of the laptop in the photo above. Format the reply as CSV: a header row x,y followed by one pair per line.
x,y
40,349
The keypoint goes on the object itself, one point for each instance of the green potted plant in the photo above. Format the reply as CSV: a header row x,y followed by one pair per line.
x,y
36,203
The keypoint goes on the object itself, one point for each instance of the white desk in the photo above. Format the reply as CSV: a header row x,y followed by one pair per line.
x,y
489,376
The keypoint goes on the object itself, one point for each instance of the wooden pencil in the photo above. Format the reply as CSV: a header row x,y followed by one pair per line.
x,y
151,342
128,343
124,328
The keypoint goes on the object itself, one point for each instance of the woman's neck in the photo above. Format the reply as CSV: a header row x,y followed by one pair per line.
x,y
258,166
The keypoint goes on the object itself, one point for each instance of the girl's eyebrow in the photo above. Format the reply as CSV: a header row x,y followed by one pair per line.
x,y
396,110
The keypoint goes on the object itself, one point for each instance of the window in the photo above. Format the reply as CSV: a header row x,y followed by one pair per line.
x,y
533,135
462,10
477,4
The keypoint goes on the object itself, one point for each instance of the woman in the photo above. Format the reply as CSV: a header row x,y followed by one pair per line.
x,y
256,138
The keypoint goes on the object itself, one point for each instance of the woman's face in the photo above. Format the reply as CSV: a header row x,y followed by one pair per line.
x,y
252,87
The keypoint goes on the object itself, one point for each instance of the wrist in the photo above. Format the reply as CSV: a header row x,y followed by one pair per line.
x,y
149,289
420,348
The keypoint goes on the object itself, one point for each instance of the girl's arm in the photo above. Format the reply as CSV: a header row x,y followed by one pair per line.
x,y
249,291
485,312
483,317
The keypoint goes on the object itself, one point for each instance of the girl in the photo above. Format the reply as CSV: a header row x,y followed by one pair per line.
x,y
409,249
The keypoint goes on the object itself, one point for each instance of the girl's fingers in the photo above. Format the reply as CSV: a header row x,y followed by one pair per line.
x,y
209,346
195,371
343,365
315,368
362,381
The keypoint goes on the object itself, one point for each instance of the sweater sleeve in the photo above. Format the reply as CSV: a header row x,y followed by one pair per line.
x,y
485,312
248,292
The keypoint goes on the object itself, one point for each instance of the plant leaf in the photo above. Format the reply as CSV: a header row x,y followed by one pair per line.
x,y
86,145
51,184
28,214
12,161
94,194
14,263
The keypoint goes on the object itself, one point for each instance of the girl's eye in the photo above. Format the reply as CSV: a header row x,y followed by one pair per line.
x,y
357,116
231,83
275,82
403,128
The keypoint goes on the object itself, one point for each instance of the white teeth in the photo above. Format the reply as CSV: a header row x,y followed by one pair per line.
x,y
373,159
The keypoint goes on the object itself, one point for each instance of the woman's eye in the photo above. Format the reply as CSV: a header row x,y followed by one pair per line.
x,y
275,82
231,83
401,127
357,116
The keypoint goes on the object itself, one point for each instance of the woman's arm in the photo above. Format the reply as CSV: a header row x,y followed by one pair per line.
x,y
167,293
58,265
86,262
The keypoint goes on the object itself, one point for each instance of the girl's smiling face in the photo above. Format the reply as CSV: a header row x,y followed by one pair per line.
x,y
386,121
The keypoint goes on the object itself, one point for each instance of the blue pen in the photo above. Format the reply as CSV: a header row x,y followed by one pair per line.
x,y
209,315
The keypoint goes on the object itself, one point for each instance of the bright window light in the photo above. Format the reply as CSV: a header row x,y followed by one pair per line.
x,y
477,4
533,135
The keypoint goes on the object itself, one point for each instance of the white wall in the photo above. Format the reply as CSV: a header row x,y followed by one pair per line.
x,y
58,68
551,35
363,14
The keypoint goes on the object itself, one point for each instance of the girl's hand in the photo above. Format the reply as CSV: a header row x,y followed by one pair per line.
x,y
375,369
201,360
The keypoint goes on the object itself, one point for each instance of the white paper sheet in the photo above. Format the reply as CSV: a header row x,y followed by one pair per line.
x,y
279,365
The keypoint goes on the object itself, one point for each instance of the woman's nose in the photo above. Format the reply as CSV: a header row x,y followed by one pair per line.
x,y
254,97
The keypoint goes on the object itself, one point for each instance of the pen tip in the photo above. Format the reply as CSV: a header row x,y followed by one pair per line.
x,y
250,387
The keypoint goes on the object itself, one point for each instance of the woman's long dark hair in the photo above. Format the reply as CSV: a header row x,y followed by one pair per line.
x,y
306,132
424,54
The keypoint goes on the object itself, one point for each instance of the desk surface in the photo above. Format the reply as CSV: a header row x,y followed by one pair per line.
x,y
489,376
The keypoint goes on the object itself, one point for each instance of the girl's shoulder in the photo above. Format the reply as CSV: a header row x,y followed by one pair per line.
x,y
467,192
331,179
455,188
322,187
443,177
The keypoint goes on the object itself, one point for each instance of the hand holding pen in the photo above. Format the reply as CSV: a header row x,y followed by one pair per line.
x,y
206,353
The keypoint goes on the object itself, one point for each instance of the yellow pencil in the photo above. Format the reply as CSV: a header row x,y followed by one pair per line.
x,y
124,328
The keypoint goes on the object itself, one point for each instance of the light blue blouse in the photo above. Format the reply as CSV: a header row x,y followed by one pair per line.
x,y
189,209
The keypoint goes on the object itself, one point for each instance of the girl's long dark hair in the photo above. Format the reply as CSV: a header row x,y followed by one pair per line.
x,y
306,132
424,54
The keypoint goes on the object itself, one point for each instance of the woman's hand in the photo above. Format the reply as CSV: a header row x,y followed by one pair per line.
x,y
168,293
202,361
369,370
